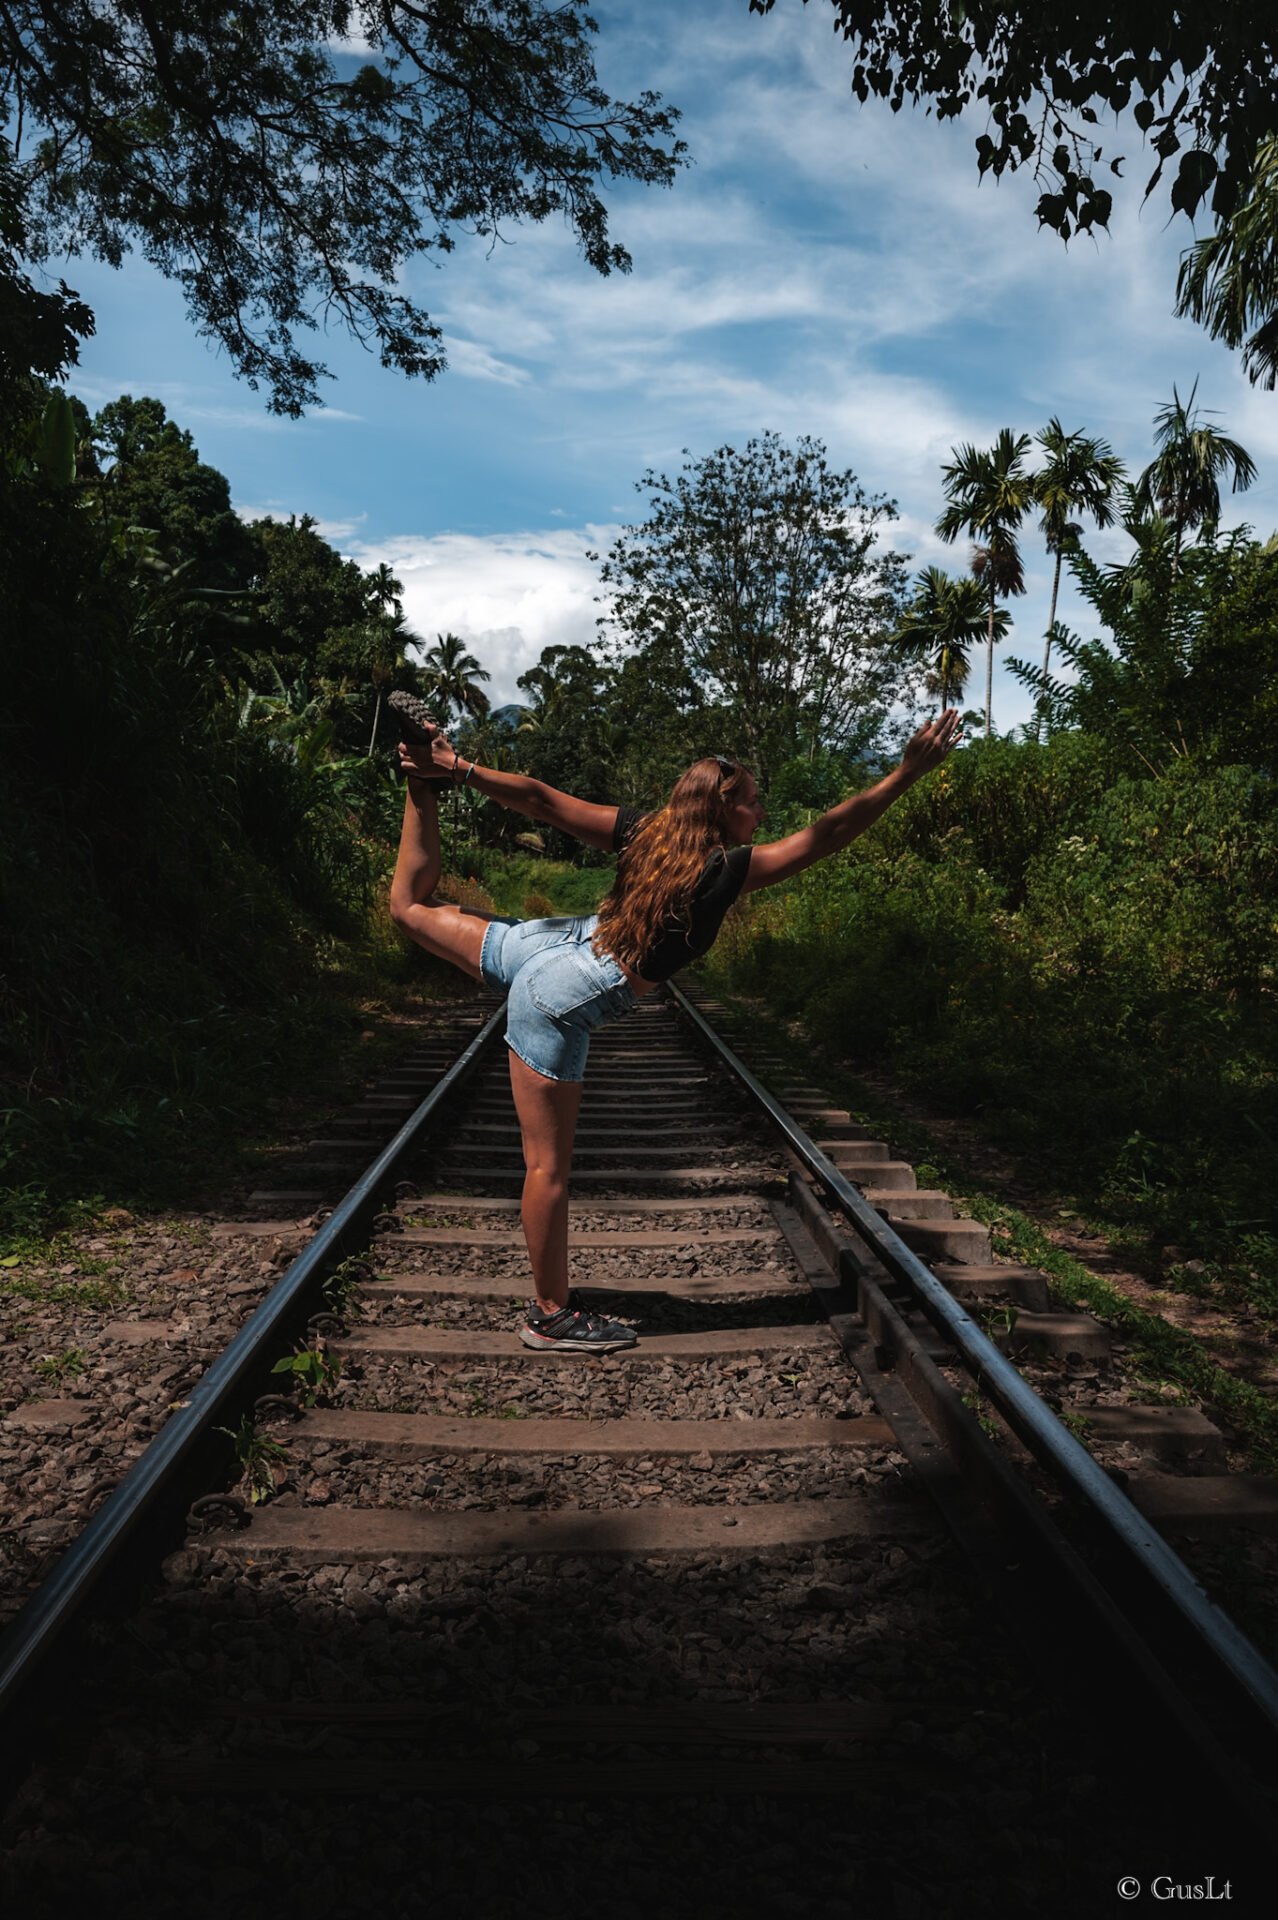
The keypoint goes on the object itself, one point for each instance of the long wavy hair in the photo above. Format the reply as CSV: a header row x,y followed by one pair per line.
x,y
657,873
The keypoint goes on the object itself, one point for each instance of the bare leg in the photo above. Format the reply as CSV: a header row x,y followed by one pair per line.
x,y
453,933
547,1112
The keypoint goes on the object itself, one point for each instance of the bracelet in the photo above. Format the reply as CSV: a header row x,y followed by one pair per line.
x,y
466,781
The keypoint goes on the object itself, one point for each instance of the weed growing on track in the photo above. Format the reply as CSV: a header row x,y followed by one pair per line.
x,y
93,1295
59,1368
341,1289
314,1372
258,1456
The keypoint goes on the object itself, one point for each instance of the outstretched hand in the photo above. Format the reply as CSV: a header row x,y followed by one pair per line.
x,y
928,747
439,757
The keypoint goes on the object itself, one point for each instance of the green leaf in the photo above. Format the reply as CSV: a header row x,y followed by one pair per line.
x,y
1143,114
11,1260
1195,174
55,447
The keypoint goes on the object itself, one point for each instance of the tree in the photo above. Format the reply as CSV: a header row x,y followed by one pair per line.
x,y
1200,83
573,732
385,592
940,625
1182,481
1079,476
323,616
989,494
40,331
756,594
308,592
385,589
153,477
1186,663
285,161
450,676
1229,280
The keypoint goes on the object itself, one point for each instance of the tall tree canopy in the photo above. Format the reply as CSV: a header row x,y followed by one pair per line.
x,y
284,160
1079,475
988,493
940,625
154,478
757,586
1182,481
1202,84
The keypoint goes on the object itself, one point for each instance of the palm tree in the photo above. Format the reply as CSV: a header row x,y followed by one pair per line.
x,y
1229,281
989,495
384,590
1182,481
1079,476
451,676
940,625
384,593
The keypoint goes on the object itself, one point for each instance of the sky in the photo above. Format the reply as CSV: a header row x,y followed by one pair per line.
x,y
819,268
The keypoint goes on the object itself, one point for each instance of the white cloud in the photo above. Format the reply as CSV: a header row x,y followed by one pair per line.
x,y
339,532
507,595
474,362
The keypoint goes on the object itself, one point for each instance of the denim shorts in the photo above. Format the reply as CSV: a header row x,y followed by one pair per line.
x,y
558,990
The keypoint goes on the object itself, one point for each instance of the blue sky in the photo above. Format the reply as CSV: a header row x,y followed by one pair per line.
x,y
820,268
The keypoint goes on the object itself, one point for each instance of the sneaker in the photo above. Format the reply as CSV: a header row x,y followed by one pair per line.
x,y
417,728
572,1331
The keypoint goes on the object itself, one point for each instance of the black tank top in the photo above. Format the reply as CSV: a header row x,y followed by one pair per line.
x,y
679,942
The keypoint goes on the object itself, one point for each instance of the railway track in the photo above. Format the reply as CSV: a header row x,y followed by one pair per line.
x,y
753,1612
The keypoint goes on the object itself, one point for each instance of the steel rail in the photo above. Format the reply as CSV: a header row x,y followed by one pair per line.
x,y
1029,1417
59,1601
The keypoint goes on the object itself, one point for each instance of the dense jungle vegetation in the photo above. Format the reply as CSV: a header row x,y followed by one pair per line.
x,y
1069,933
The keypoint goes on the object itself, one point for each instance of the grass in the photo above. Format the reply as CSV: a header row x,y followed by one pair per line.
x,y
58,1368
93,1295
533,887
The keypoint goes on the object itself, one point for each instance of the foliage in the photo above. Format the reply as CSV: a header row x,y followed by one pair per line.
x,y
1198,84
572,735
755,596
1080,474
1182,481
512,879
153,477
1229,280
40,332
450,678
1083,959
58,1368
939,626
1187,663
182,882
313,1372
284,163
341,1288
988,494
260,1458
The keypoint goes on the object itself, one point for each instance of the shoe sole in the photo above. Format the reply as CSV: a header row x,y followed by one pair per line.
x,y
407,708
547,1343
411,713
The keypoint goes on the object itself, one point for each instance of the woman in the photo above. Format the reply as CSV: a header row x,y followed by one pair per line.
x,y
679,871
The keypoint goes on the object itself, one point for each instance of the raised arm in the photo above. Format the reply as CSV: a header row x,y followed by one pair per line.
x,y
583,819
842,824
